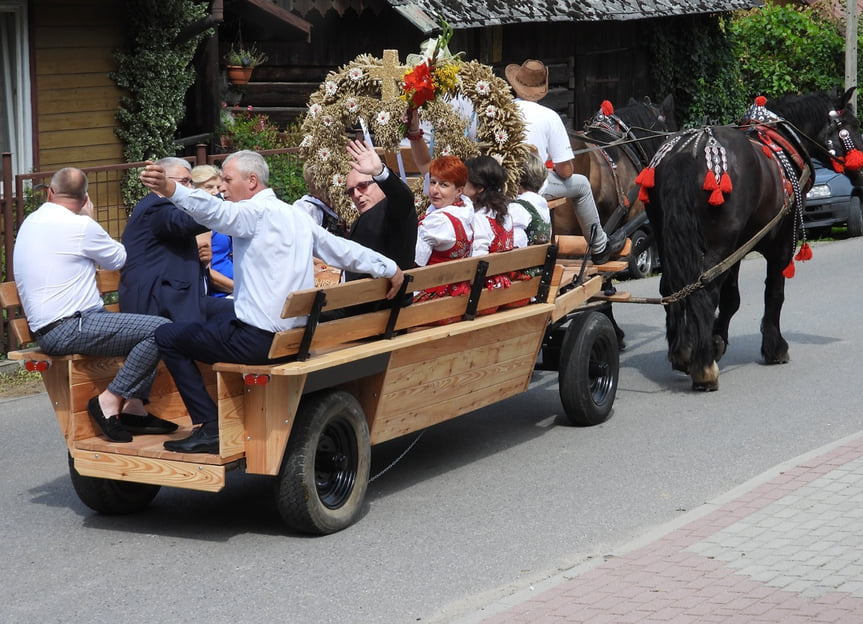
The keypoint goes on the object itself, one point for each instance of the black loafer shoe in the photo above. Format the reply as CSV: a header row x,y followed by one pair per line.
x,y
110,427
199,442
149,424
613,246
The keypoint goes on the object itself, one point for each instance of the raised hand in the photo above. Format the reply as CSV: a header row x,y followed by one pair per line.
x,y
364,158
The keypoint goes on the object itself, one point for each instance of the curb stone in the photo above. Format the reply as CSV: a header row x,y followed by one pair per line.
x,y
8,367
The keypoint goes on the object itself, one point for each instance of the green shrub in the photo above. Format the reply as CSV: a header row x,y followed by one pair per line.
x,y
696,64
788,49
243,128
154,68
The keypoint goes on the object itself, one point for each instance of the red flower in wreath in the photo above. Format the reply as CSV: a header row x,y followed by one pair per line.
x,y
418,83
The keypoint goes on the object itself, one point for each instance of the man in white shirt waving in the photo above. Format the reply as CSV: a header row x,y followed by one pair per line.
x,y
545,130
274,247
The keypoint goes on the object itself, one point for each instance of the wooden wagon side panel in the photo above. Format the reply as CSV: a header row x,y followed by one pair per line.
x,y
457,373
268,415
56,380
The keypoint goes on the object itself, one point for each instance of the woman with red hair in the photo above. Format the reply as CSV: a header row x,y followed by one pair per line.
x,y
446,230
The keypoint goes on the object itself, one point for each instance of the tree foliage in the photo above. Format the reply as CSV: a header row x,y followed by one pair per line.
x,y
155,70
788,49
694,60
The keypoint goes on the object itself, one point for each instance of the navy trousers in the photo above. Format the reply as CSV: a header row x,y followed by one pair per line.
x,y
223,339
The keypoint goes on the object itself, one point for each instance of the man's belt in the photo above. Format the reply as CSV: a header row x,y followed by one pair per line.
x,y
53,325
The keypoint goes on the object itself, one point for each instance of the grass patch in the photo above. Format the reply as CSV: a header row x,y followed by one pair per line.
x,y
20,383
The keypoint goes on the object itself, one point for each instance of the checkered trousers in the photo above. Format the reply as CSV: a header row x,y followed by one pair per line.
x,y
112,334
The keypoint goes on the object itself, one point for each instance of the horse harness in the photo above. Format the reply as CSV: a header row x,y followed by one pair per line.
x,y
626,139
794,167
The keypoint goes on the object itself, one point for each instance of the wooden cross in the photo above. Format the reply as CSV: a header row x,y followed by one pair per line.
x,y
390,75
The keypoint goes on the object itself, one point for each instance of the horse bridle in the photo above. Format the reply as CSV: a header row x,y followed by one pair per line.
x,y
844,137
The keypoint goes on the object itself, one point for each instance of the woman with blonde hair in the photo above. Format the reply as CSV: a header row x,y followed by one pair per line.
x,y
217,250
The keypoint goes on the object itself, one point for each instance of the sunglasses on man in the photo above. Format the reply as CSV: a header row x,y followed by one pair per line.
x,y
361,187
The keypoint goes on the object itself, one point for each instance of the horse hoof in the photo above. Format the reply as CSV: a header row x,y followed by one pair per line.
x,y
782,359
705,386
708,381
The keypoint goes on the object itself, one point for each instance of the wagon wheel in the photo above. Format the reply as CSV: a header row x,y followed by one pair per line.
x,y
325,472
109,496
589,366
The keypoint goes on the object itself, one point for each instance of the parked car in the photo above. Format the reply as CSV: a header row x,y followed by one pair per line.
x,y
833,200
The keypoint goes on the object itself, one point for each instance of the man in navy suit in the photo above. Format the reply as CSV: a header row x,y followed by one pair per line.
x,y
163,274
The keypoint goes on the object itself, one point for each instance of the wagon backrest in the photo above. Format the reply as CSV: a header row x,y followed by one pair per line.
x,y
312,302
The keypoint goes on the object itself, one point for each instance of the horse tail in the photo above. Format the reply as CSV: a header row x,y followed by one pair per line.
x,y
689,320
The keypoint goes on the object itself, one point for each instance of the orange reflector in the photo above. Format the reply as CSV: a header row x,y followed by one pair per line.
x,y
256,380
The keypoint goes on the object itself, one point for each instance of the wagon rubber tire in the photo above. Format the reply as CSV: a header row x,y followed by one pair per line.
x,y
643,264
109,496
325,472
855,217
589,367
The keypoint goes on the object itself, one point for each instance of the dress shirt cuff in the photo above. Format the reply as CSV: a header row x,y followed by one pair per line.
x,y
383,176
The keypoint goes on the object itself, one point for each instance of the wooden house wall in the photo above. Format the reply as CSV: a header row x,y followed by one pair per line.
x,y
296,67
588,62
75,99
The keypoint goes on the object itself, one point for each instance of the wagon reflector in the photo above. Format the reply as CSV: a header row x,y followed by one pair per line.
x,y
256,380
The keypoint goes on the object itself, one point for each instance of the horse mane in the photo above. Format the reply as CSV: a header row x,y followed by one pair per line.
x,y
639,115
644,120
803,110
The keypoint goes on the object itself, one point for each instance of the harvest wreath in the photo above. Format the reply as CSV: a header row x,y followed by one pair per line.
x,y
354,93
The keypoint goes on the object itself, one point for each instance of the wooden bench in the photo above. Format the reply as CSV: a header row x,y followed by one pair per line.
x,y
398,364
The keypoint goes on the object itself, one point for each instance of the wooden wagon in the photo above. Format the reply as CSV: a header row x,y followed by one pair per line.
x,y
351,383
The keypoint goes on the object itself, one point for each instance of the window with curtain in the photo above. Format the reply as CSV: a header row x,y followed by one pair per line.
x,y
15,113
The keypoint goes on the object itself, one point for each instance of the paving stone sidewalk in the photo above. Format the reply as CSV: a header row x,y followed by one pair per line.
x,y
786,547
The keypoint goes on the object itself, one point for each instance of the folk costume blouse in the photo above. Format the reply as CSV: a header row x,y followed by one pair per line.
x,y
493,237
445,234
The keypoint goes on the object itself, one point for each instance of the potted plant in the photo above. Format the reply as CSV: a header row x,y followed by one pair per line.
x,y
241,60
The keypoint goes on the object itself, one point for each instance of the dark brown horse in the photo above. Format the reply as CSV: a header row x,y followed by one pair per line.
x,y
751,196
611,150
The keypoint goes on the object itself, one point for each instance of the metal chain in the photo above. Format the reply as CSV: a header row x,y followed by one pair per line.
x,y
399,458
683,293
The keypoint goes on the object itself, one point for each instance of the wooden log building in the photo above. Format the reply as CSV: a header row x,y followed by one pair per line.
x,y
58,103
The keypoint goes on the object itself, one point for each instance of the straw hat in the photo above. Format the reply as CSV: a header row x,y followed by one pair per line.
x,y
529,80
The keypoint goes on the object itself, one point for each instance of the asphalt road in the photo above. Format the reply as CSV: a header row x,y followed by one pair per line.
x,y
481,506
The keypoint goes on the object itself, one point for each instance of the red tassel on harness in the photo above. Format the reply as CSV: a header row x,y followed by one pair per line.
x,y
643,197
710,182
854,160
725,183
805,253
606,108
646,178
716,197
788,271
838,167
647,181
